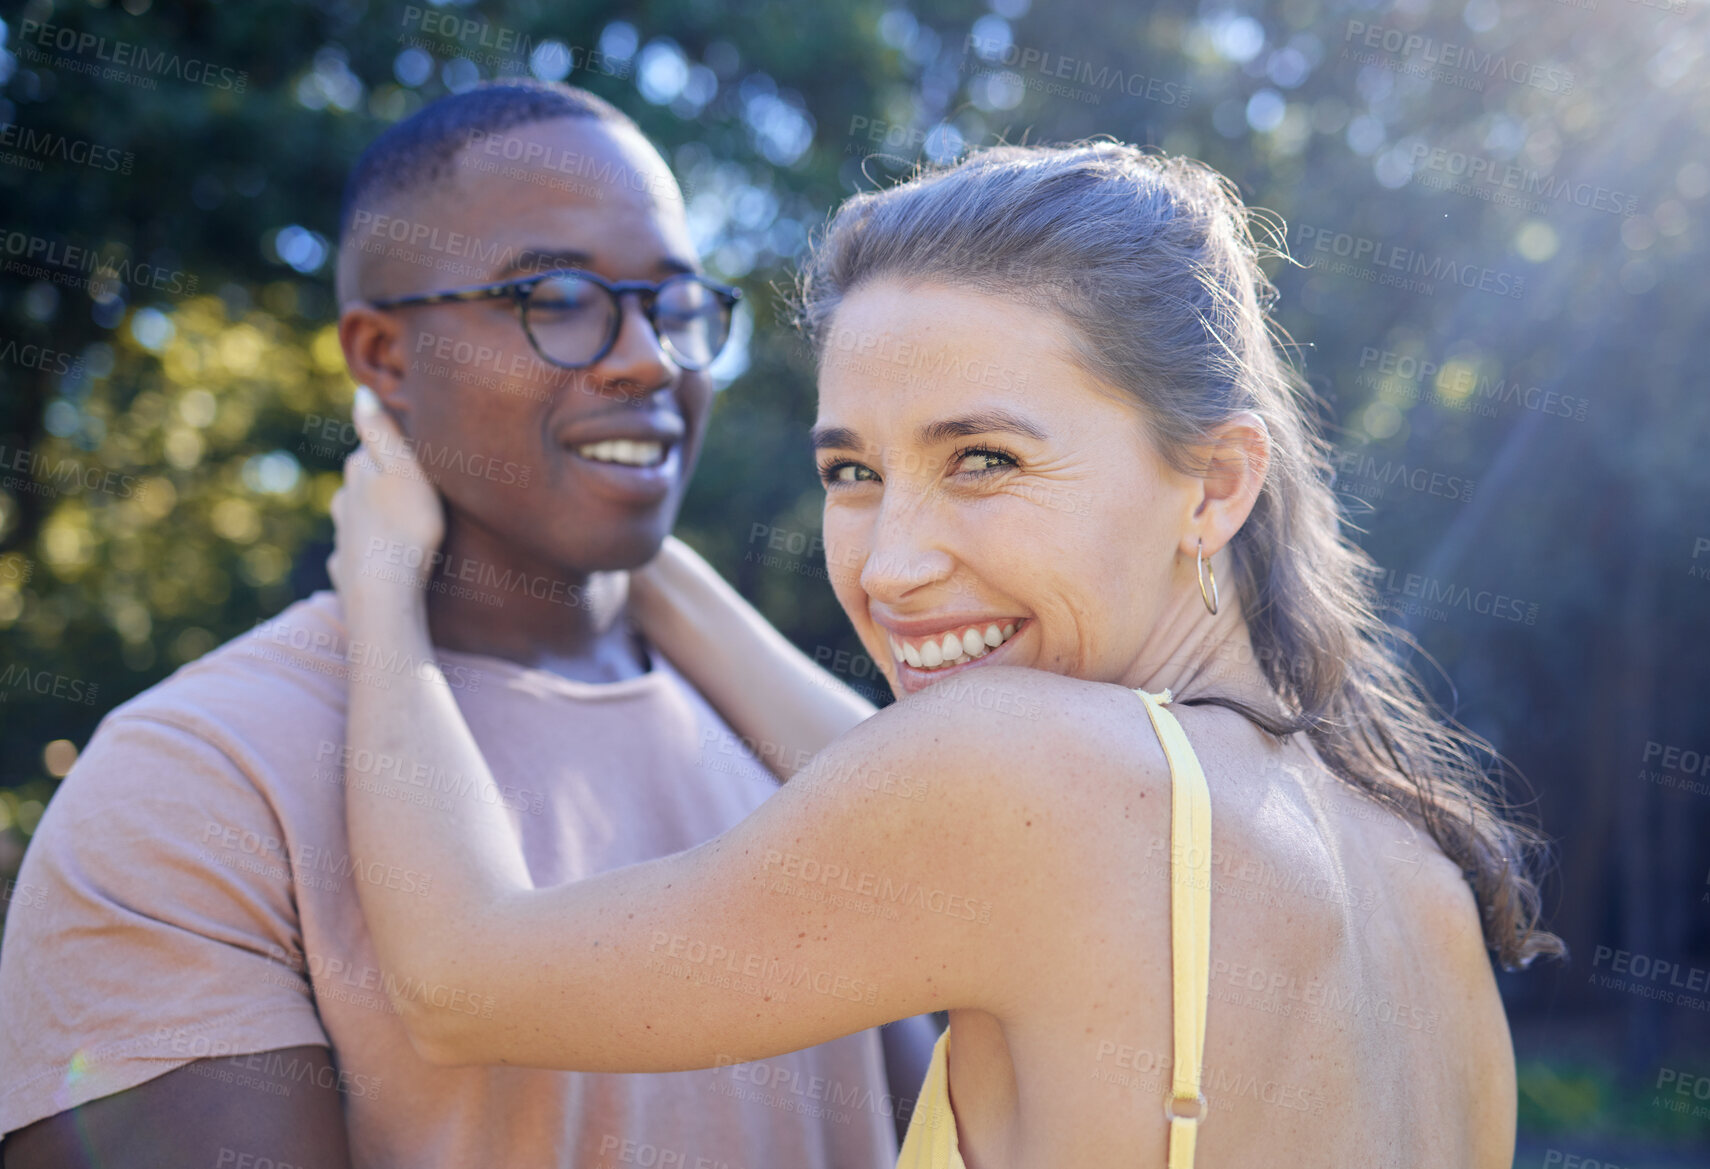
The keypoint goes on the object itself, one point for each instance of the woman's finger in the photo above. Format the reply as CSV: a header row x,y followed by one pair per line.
x,y
380,435
386,499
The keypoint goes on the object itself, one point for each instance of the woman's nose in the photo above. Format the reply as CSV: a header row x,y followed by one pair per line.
x,y
905,553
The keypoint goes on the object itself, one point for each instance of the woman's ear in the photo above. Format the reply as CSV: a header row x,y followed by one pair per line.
x,y
1236,460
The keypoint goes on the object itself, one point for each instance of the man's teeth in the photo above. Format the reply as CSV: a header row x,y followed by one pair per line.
x,y
951,648
626,451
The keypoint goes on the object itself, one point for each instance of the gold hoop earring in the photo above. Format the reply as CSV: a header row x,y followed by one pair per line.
x,y
1210,601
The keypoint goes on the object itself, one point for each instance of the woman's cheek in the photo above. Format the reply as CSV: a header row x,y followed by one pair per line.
x,y
844,559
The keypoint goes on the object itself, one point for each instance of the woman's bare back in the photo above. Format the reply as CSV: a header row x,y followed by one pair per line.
x,y
1353,1016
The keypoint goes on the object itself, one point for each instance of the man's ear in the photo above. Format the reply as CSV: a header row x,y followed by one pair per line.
x,y
374,351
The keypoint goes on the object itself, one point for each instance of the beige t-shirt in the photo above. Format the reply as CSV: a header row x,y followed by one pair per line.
x,y
193,896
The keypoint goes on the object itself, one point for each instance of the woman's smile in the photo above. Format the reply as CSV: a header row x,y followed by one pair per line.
x,y
925,650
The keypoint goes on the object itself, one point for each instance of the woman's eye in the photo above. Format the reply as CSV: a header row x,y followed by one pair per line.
x,y
846,473
979,461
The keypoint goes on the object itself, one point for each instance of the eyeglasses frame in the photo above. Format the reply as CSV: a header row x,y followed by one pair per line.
x,y
518,290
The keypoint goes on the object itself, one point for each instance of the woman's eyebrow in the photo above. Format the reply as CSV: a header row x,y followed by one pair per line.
x,y
834,438
981,422
945,429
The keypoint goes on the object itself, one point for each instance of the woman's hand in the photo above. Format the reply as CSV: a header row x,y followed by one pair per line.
x,y
388,518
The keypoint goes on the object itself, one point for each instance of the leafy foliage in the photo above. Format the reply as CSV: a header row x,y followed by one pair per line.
x,y
1537,450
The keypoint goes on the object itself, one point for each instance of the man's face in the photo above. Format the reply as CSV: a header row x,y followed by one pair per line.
x,y
512,442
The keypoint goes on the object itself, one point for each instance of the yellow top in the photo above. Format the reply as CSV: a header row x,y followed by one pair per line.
x,y
931,1139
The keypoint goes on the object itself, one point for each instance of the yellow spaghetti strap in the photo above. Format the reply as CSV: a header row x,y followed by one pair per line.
x,y
1190,926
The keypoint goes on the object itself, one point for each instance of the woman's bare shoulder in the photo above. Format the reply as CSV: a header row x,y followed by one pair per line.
x,y
1036,726
1034,789
1027,757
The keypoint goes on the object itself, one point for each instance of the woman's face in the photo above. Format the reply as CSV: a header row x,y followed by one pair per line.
x,y
987,500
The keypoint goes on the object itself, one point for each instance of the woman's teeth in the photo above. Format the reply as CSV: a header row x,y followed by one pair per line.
x,y
932,652
626,451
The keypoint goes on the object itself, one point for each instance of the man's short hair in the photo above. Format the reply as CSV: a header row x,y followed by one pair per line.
x,y
419,151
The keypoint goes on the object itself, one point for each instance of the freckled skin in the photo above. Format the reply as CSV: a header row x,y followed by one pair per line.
x,y
914,529
1088,537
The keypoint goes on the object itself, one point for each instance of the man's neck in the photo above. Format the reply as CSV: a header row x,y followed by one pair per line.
x,y
489,598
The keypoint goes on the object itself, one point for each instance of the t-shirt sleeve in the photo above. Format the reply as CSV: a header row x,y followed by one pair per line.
x,y
153,923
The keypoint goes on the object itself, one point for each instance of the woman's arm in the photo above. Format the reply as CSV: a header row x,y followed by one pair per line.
x,y
868,889
849,899
765,688
916,864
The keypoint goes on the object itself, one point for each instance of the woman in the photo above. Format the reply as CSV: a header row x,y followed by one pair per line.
x,y
1076,507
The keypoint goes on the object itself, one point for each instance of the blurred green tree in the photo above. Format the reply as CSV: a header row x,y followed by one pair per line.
x,y
1501,214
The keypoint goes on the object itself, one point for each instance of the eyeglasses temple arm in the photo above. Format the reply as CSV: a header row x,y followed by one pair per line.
x,y
487,293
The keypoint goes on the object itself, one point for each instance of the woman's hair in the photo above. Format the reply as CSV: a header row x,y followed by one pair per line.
x,y
1154,262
